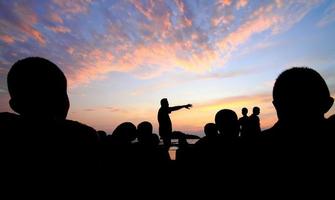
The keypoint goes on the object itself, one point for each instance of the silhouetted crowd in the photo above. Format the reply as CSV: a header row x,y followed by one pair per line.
x,y
40,143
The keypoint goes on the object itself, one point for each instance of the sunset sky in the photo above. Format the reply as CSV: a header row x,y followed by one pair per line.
x,y
122,57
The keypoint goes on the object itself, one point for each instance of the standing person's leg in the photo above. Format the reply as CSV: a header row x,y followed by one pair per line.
x,y
167,141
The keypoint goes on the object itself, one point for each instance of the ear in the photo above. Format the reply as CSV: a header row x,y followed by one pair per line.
x,y
14,105
328,104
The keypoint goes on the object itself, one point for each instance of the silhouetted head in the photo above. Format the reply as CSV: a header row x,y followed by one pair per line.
x,y
210,130
164,103
144,130
102,135
244,111
37,88
301,95
227,123
145,127
256,110
125,132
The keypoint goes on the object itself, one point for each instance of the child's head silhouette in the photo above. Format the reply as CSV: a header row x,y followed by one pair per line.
x,y
300,94
38,89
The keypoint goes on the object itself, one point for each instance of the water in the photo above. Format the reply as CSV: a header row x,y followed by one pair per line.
x,y
174,147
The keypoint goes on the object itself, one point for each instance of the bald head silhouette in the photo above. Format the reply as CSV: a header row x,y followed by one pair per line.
x,y
301,95
38,89
227,123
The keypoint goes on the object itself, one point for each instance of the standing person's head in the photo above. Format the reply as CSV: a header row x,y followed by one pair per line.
x,y
244,111
164,103
301,95
256,110
38,89
227,123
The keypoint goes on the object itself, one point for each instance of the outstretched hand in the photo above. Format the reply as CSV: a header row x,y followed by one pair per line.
x,y
188,106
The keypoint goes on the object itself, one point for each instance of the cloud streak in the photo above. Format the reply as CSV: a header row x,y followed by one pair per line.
x,y
329,16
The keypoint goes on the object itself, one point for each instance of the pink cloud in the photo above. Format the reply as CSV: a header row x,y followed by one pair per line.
x,y
181,6
3,70
27,20
251,27
241,4
59,29
222,20
179,43
328,17
7,39
32,32
146,11
22,25
73,7
70,50
92,65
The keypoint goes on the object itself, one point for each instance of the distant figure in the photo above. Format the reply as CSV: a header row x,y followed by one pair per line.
x,y
39,138
165,124
244,122
254,128
301,137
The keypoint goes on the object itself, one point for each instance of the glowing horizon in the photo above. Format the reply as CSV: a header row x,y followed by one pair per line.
x,y
122,57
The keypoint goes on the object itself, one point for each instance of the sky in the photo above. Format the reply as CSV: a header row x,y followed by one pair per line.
x,y
121,57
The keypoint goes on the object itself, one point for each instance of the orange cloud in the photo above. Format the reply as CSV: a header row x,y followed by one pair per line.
x,y
56,18
59,29
224,2
7,39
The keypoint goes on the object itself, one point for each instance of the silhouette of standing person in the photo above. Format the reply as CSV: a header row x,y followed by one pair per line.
x,y
254,128
165,124
244,122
